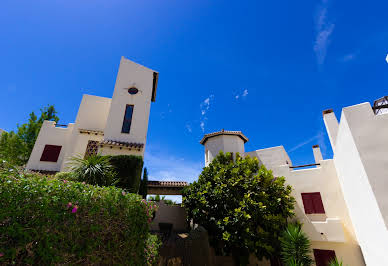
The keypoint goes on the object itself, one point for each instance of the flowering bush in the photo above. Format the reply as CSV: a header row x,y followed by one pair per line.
x,y
50,221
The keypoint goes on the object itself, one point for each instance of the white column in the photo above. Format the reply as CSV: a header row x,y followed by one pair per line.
x,y
331,124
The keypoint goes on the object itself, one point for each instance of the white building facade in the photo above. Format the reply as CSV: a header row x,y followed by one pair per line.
x,y
342,202
107,126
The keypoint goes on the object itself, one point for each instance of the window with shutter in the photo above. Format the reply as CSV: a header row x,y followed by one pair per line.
x,y
50,153
312,203
323,256
127,119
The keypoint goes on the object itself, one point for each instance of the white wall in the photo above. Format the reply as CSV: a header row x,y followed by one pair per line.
x,y
49,135
92,115
226,143
361,160
130,75
271,157
335,224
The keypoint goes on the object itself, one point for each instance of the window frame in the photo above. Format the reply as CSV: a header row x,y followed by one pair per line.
x,y
126,120
312,203
323,256
50,153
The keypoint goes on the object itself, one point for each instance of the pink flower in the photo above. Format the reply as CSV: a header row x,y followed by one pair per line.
x,y
65,181
1,254
123,193
69,205
83,183
74,210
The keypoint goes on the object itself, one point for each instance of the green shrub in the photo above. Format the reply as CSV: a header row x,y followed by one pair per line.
x,y
69,176
128,169
50,221
94,170
242,205
295,246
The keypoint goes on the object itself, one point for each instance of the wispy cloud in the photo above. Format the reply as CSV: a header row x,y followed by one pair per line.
x,y
319,136
324,28
204,107
242,95
386,59
163,166
349,57
189,128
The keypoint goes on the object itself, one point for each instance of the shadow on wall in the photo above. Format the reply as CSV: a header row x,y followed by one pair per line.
x,y
170,214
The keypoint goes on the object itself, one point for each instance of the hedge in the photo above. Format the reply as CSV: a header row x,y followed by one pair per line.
x,y
128,169
44,220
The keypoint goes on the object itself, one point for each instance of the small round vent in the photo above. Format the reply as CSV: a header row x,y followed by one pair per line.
x,y
133,91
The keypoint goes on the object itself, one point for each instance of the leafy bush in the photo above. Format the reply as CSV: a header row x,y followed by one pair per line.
x,y
295,246
69,176
50,221
128,169
242,206
94,170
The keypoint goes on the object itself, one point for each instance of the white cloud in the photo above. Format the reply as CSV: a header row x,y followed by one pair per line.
x,y
188,127
386,59
349,57
319,137
204,107
243,94
202,125
324,29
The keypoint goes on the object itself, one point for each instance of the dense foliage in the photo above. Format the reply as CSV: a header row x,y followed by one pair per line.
x,y
94,170
143,190
49,221
16,147
295,246
241,204
128,169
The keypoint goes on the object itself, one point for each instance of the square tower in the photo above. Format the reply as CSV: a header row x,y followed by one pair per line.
x,y
127,124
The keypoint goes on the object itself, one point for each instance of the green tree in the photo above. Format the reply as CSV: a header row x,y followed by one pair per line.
x,y
143,184
295,246
17,147
242,205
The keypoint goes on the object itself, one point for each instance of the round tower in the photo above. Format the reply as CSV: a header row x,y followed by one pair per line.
x,y
224,140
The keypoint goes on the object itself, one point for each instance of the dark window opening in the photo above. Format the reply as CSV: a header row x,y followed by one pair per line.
x,y
323,257
312,203
50,153
127,119
91,149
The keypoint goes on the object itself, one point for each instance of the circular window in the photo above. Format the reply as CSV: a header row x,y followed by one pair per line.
x,y
133,90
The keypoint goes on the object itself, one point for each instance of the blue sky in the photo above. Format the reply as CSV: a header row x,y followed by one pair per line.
x,y
267,68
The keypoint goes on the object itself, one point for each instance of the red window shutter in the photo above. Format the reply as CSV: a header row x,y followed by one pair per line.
x,y
317,202
50,153
307,203
323,257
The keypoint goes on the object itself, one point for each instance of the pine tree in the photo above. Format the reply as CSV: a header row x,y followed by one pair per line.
x,y
143,185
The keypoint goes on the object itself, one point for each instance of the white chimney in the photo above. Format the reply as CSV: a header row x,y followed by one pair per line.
x,y
331,124
317,153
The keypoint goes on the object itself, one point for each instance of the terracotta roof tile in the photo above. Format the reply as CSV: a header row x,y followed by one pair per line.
x,y
223,132
122,144
167,184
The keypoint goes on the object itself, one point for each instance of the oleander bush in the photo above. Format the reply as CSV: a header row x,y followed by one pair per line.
x,y
45,220
128,170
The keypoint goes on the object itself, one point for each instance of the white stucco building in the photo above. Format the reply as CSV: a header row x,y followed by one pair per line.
x,y
113,126
343,201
